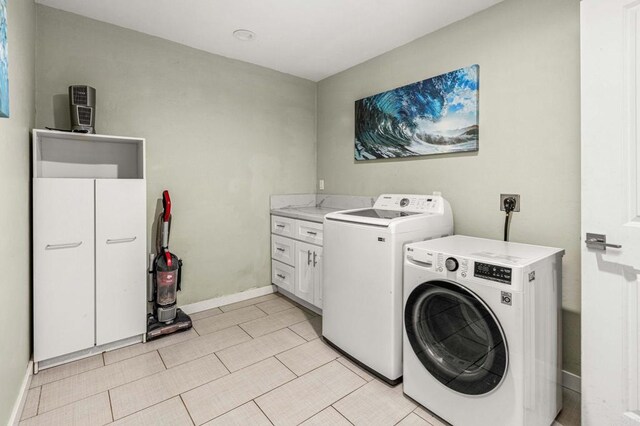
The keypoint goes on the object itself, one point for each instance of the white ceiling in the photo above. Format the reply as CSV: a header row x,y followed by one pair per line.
x,y
312,39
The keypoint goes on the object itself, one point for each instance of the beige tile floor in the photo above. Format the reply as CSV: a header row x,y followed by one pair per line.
x,y
256,362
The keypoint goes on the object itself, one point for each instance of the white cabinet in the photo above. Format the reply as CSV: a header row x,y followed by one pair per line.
x,y
89,241
296,253
63,268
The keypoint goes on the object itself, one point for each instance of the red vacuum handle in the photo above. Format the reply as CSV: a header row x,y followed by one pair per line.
x,y
167,256
166,204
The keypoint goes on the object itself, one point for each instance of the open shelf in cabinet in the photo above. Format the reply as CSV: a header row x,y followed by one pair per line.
x,y
78,155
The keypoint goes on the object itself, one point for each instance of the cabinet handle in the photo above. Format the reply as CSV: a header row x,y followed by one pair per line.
x,y
308,257
314,259
312,233
280,249
282,277
280,226
62,246
122,240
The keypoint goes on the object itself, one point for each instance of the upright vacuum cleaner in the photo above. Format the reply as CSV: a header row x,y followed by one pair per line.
x,y
165,276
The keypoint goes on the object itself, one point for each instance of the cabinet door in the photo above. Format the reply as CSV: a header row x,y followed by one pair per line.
x,y
121,267
304,271
63,266
317,283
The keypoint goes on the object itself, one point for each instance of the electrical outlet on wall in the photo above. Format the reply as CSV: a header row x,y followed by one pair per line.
x,y
515,196
321,184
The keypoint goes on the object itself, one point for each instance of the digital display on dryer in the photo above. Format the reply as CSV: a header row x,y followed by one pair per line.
x,y
500,274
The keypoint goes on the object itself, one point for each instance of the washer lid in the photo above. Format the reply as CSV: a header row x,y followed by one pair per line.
x,y
393,207
375,217
380,214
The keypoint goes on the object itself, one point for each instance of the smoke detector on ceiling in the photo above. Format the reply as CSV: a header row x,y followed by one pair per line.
x,y
244,35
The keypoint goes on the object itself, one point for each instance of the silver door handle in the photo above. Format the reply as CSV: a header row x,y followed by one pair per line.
x,y
599,242
62,246
314,259
122,240
308,257
282,277
312,233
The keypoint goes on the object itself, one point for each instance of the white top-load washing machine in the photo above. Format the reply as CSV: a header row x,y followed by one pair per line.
x,y
482,330
362,285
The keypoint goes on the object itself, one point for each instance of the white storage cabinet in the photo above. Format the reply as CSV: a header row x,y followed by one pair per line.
x,y
89,241
296,258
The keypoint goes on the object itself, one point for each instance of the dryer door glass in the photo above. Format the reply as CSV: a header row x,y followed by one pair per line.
x,y
456,337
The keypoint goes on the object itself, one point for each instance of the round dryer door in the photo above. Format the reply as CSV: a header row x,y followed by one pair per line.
x,y
456,337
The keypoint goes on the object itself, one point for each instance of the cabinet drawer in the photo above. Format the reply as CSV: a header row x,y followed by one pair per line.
x,y
283,249
284,226
309,231
283,275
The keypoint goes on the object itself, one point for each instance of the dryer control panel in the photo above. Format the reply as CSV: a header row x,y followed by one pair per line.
x,y
454,266
501,274
410,202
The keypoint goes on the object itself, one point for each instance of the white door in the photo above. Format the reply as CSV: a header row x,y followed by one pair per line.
x,y
63,268
317,279
121,268
304,271
610,206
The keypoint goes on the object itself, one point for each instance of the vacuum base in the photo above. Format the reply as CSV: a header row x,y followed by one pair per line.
x,y
157,329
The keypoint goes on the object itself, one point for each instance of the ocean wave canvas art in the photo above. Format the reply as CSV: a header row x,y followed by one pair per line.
x,y
4,62
434,116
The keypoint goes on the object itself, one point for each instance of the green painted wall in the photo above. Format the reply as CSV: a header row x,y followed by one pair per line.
x,y
528,52
222,136
15,315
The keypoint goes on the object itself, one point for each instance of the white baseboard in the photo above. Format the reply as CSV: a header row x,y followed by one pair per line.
x,y
571,381
225,300
22,397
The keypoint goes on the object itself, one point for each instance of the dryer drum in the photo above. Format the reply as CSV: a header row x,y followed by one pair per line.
x,y
456,337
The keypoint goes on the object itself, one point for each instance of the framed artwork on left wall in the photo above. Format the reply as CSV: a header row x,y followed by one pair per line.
x,y
4,62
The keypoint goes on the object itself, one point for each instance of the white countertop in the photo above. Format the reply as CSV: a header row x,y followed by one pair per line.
x,y
313,214
313,207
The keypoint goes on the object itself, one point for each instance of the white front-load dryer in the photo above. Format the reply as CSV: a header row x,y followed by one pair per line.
x,y
481,338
